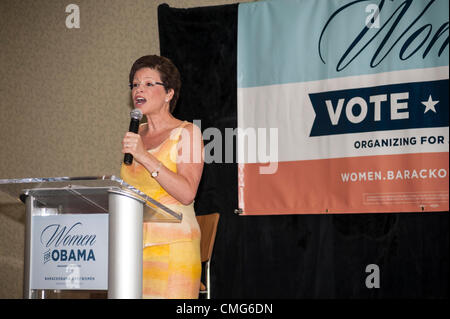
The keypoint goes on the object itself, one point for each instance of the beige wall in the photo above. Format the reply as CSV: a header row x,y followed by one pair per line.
x,y
64,99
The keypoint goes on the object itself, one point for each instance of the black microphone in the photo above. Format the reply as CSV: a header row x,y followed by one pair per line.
x,y
136,116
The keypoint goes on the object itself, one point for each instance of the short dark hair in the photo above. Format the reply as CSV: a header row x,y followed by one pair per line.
x,y
169,73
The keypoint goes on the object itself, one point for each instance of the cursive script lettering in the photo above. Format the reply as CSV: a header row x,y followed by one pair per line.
x,y
362,40
58,235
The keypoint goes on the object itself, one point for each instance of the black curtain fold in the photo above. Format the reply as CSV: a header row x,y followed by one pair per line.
x,y
290,256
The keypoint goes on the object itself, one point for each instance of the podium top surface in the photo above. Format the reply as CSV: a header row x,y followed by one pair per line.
x,y
88,193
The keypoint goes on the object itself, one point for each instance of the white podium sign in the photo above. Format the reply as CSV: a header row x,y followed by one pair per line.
x,y
69,251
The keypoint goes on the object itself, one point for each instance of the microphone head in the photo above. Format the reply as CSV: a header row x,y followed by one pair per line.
x,y
136,114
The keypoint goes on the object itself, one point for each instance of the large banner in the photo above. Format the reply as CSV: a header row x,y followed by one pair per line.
x,y
343,106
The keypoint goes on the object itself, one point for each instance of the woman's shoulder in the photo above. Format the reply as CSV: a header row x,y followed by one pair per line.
x,y
190,127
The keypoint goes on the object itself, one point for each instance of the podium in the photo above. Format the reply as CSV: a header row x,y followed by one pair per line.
x,y
84,233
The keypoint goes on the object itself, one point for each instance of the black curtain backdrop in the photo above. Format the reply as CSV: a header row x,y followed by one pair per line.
x,y
291,256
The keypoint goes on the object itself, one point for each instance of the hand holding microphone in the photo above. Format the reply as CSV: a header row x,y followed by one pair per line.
x,y
129,140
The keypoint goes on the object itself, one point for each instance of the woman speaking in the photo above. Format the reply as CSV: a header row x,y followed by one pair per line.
x,y
167,166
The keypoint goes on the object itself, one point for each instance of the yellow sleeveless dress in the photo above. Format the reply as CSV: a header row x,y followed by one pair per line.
x,y
172,265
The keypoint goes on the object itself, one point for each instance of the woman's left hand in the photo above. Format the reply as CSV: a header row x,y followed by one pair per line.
x,y
132,143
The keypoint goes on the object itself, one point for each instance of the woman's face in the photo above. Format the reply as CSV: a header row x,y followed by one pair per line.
x,y
148,93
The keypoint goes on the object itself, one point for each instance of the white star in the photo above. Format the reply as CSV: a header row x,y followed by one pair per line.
x,y
429,105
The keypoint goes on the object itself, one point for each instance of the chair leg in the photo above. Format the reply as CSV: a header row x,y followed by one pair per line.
x,y
208,282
